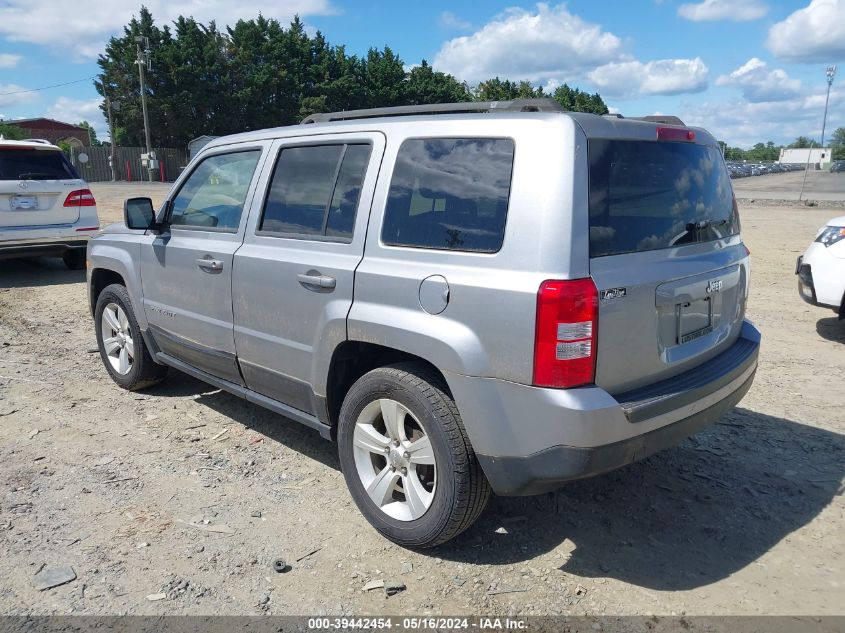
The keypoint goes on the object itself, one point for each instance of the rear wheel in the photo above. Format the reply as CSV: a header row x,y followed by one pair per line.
x,y
75,258
122,348
406,457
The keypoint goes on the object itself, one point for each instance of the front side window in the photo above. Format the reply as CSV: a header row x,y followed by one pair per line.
x,y
214,194
315,191
450,193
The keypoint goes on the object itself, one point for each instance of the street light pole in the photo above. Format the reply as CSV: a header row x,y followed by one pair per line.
x,y
139,40
830,72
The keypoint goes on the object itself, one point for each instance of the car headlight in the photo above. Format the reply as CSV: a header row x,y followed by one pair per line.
x,y
831,234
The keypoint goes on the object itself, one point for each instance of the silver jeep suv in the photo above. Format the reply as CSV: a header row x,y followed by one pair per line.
x,y
467,297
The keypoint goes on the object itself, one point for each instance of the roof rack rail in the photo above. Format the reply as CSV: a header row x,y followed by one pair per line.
x,y
666,119
515,105
42,141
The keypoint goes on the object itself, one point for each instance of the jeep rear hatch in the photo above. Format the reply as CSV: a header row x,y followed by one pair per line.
x,y
665,255
35,184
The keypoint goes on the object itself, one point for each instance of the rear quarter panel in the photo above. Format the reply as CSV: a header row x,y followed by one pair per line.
x,y
487,328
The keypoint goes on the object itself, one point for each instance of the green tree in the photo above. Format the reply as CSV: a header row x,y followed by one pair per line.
x,y
576,100
803,142
259,74
837,143
425,85
384,79
91,132
497,89
11,132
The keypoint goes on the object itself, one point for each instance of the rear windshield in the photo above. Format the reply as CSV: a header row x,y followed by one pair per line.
x,y
648,195
34,164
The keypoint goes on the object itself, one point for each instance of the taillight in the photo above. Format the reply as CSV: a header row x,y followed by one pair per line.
x,y
566,334
674,134
80,198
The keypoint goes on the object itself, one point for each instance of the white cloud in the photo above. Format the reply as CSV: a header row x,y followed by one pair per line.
x,y
633,78
75,111
8,60
13,94
759,83
531,45
84,33
734,10
815,33
742,124
451,22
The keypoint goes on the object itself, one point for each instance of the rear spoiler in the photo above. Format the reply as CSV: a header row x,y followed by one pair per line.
x,y
665,119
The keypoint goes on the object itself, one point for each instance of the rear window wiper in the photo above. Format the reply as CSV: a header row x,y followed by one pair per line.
x,y
695,228
705,224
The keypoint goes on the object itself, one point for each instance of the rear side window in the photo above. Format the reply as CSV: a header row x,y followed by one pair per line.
x,y
450,194
648,195
34,164
315,190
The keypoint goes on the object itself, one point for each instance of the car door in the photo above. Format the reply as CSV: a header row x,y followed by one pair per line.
x,y
293,276
186,271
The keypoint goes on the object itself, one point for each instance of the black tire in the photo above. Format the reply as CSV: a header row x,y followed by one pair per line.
x,y
462,490
144,371
74,258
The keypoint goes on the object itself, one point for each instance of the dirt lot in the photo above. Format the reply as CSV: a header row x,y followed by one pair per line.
x,y
818,186
178,500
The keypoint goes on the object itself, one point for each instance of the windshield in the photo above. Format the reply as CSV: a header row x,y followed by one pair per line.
x,y
648,195
34,164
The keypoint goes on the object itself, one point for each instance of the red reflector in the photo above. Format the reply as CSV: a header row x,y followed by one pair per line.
x,y
674,134
566,333
89,228
80,198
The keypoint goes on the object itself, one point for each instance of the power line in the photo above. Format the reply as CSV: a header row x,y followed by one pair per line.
x,y
67,83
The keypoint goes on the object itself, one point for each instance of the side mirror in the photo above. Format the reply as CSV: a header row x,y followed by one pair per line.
x,y
138,213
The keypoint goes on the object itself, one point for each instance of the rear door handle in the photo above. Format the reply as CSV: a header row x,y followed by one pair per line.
x,y
317,280
210,264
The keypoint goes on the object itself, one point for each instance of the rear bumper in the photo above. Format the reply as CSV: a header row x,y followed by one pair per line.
x,y
549,469
48,245
544,437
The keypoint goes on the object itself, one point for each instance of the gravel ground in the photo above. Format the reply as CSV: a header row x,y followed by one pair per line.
x,y
179,500
819,186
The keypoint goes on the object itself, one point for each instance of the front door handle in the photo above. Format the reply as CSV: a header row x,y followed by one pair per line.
x,y
210,264
317,280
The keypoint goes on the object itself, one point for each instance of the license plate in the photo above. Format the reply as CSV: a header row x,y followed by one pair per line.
x,y
695,319
24,202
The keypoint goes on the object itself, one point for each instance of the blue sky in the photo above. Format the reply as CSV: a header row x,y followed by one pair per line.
x,y
748,70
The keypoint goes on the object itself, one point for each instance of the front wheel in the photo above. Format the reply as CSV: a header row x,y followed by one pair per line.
x,y
122,348
406,457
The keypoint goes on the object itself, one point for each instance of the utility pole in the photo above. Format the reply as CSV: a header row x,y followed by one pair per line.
x,y
142,62
830,72
111,137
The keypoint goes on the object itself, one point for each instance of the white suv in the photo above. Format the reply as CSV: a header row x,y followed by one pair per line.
x,y
46,209
821,269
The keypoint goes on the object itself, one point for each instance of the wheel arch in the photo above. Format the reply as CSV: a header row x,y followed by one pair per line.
x,y
352,359
100,278
114,263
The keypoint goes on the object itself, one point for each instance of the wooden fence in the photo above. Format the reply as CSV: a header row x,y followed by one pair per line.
x,y
127,165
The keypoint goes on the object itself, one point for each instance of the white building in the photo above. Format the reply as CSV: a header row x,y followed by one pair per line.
x,y
820,155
